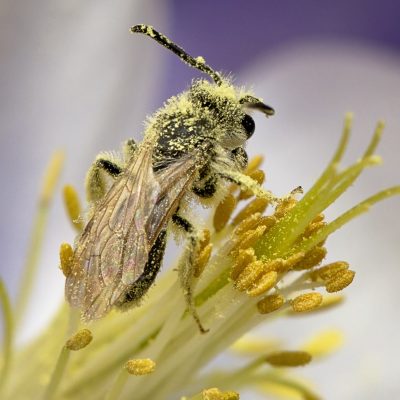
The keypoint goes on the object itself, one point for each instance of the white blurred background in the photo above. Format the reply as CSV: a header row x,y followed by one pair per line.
x,y
72,77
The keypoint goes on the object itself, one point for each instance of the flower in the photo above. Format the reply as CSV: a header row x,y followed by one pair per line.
x,y
261,264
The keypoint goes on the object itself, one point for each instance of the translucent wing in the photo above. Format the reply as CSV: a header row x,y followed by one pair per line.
x,y
113,249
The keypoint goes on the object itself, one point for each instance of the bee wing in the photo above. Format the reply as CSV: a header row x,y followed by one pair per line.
x,y
113,249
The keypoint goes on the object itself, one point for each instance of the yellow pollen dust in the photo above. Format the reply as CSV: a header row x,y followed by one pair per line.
x,y
259,176
223,212
66,258
256,206
216,394
80,340
289,358
73,206
140,366
339,281
270,303
307,302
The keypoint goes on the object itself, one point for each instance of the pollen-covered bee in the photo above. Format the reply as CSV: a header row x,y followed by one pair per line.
x,y
193,147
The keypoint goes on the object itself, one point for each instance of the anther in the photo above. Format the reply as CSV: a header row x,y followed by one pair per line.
x,y
223,212
140,366
264,284
339,281
72,204
216,394
289,358
66,258
270,303
307,302
256,206
80,340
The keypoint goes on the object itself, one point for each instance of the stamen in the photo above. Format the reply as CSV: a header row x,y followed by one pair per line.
x,y
243,258
66,258
80,340
328,271
249,275
307,302
311,259
265,283
216,394
284,206
339,281
270,303
140,366
73,206
248,239
223,212
256,206
289,358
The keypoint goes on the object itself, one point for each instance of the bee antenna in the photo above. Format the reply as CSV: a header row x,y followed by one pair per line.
x,y
197,62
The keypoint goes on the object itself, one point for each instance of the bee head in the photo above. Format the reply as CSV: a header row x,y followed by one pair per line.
x,y
229,110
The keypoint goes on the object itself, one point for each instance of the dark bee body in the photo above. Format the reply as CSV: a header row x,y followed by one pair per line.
x,y
193,146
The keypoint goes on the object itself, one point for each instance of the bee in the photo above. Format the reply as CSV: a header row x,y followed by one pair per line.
x,y
193,148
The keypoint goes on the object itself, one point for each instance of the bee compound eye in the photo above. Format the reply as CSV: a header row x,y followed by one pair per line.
x,y
248,125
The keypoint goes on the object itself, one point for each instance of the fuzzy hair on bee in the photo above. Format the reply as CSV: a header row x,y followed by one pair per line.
x,y
193,148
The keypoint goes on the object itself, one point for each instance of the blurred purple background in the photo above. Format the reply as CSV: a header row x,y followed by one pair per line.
x,y
72,77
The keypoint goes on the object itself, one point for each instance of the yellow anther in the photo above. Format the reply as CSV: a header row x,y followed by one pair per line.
x,y
216,394
307,302
311,259
284,206
255,206
248,223
244,257
73,207
205,239
253,164
313,227
293,260
270,303
318,218
224,211
265,283
202,260
339,281
259,177
289,358
249,238
80,340
66,258
140,366
328,271
251,273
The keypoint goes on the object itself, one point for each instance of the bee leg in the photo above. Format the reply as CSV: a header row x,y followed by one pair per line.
x,y
247,183
129,149
96,178
186,265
